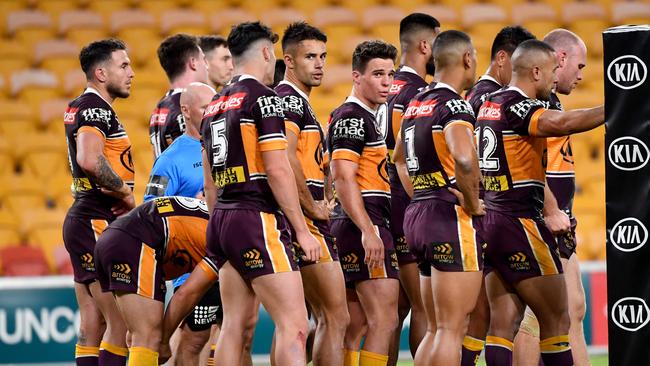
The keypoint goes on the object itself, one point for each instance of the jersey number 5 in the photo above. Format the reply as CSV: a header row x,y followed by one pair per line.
x,y
219,142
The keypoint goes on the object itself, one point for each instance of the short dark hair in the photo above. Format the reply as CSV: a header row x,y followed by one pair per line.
x,y
443,42
508,39
535,45
415,22
97,52
301,31
174,52
368,50
209,43
242,35
278,75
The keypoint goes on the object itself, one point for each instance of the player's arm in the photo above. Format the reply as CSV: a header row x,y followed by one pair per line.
x,y
282,182
459,136
399,158
557,123
556,220
183,301
209,186
312,209
162,180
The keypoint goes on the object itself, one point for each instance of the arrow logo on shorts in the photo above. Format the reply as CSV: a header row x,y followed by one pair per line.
x,y
88,258
443,248
252,254
351,258
518,257
124,268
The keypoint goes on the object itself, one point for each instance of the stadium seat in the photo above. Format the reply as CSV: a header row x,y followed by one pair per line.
x,y
50,117
447,16
56,56
339,24
6,8
30,26
14,56
34,86
183,21
56,7
16,118
220,22
630,12
10,233
258,7
82,26
337,77
7,160
157,8
20,191
43,229
346,49
138,29
107,7
382,22
74,83
279,18
307,7
588,20
207,7
23,261
483,22
539,18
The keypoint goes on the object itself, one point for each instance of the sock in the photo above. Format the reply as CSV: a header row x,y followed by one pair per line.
x,y
351,358
367,358
556,351
498,351
86,355
142,356
213,348
112,355
472,349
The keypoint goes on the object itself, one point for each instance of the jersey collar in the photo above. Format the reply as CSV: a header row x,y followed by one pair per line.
x,y
353,99
174,91
295,87
443,85
405,68
519,91
490,78
90,89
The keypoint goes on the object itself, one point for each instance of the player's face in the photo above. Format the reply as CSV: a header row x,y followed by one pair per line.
x,y
119,74
220,66
201,68
505,72
269,73
375,82
471,72
430,65
309,62
548,79
570,74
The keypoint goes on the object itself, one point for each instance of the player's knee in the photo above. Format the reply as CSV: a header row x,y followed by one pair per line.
x,y
191,342
383,322
336,319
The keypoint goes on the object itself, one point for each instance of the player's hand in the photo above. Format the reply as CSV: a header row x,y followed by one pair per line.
x,y
309,245
125,205
164,353
558,222
374,248
321,211
479,210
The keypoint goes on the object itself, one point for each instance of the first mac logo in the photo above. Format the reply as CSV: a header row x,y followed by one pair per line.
x,y
627,72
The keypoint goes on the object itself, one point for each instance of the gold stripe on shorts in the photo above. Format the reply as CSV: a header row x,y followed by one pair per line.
x,y
274,246
98,227
541,251
147,271
467,240
325,256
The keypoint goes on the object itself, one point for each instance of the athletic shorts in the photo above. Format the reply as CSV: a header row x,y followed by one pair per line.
x,y
442,235
520,248
255,243
398,204
207,312
126,264
79,238
352,254
321,231
567,242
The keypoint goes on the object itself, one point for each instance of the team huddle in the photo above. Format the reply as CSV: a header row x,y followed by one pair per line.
x,y
411,199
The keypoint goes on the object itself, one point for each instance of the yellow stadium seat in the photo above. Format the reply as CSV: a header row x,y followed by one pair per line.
x,y
382,22
34,86
6,8
55,7
591,236
56,56
220,22
82,26
183,21
7,158
30,26
74,83
157,8
43,229
447,16
14,112
483,22
259,7
279,18
50,114
339,24
208,7
139,30
14,56
588,20
10,233
630,13
64,199
539,18
22,191
107,7
357,6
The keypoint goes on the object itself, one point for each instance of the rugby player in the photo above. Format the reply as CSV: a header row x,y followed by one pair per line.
x,y
178,172
99,153
245,163
560,177
361,217
184,63
513,124
498,75
159,240
417,32
219,60
304,55
439,154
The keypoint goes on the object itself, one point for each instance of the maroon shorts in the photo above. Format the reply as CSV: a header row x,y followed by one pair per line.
x,y
255,243
567,242
126,264
398,204
442,235
352,254
321,231
79,237
520,248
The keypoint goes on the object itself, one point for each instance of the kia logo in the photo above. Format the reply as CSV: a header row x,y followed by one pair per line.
x,y
627,72
628,153
630,313
628,235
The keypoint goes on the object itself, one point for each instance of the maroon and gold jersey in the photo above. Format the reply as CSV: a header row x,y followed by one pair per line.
x,y
512,159
354,136
174,227
560,171
166,122
300,119
91,113
480,92
242,121
406,84
430,164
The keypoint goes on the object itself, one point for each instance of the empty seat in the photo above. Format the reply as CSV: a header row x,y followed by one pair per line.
x,y
630,12
538,18
29,26
382,22
221,21
21,191
279,18
10,233
56,56
82,26
15,112
483,22
74,83
34,86
588,20
183,21
55,7
447,16
43,229
339,24
14,56
23,261
139,30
